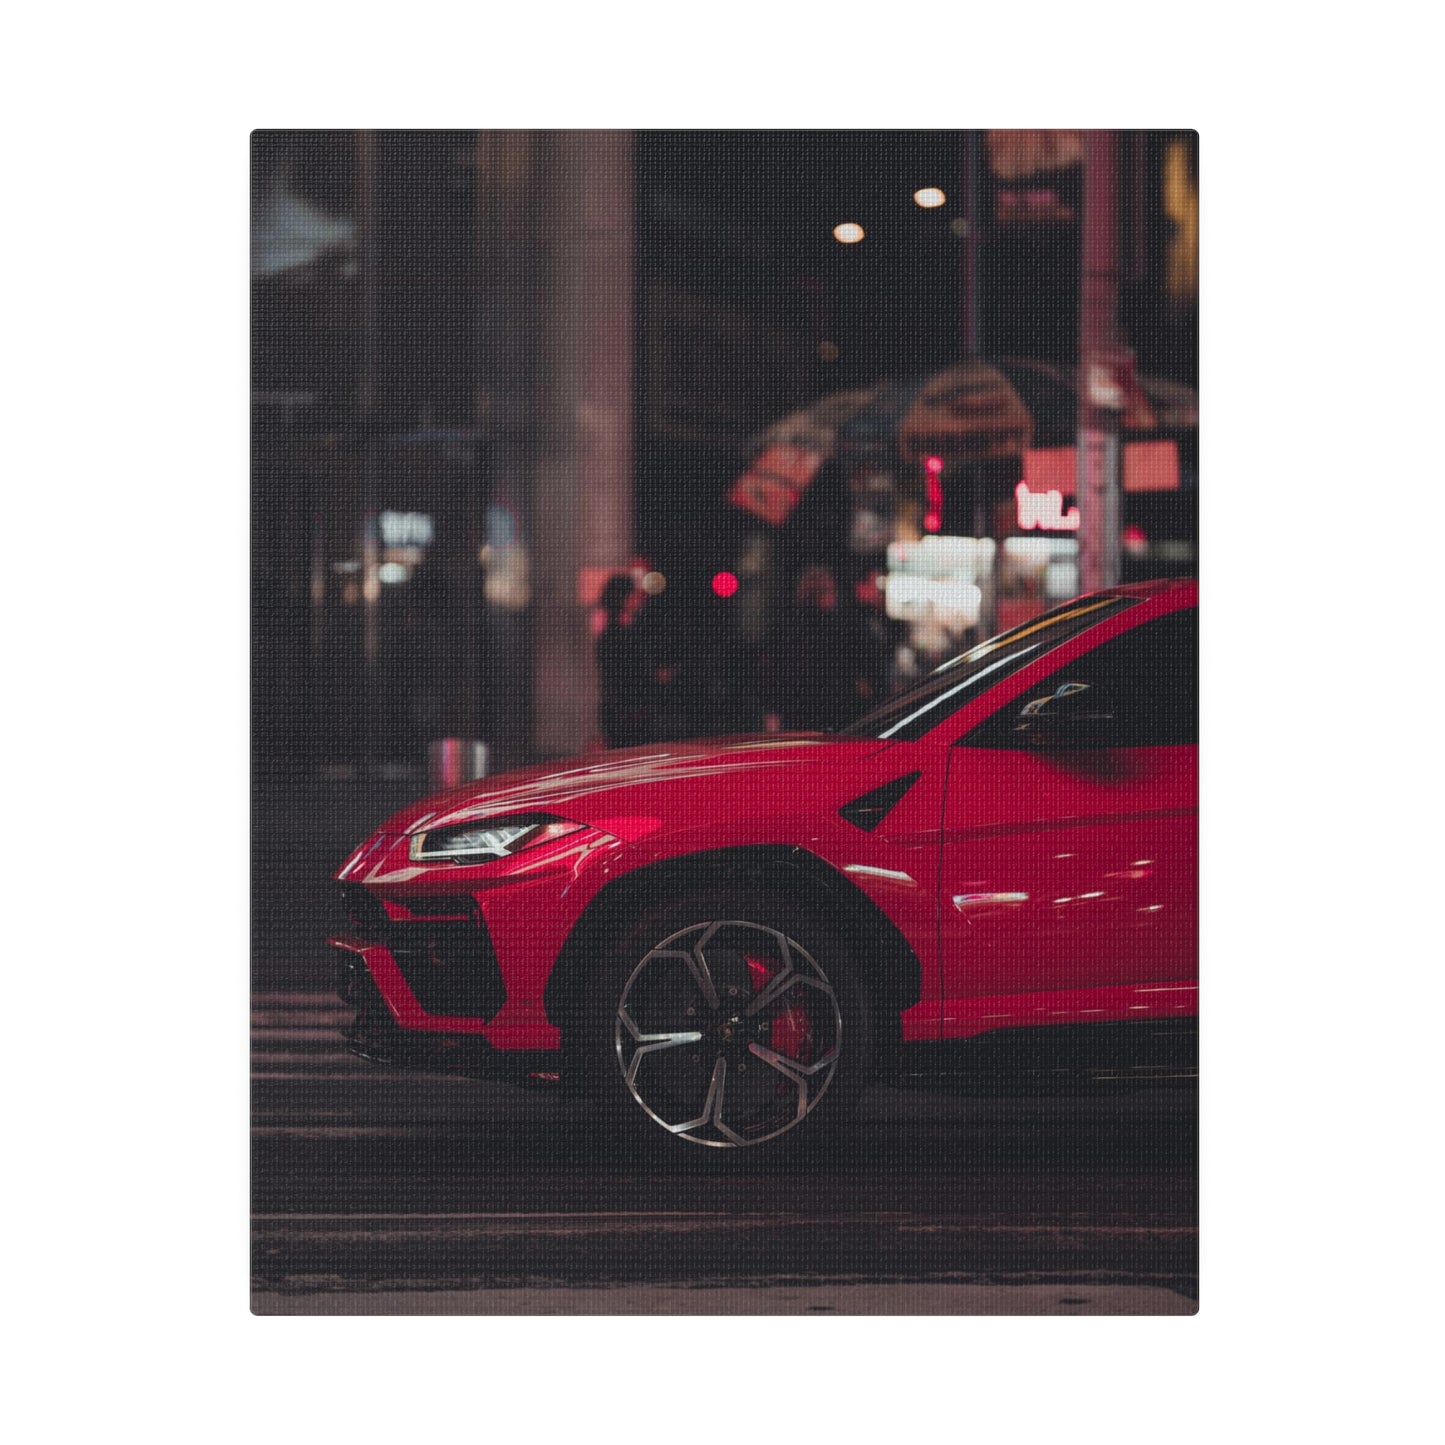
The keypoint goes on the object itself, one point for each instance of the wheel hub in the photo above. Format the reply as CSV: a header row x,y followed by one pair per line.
x,y
763,1023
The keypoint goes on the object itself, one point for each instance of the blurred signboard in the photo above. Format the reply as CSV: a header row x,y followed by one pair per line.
x,y
775,481
1037,175
791,451
1112,385
1148,467
933,585
1044,510
1015,155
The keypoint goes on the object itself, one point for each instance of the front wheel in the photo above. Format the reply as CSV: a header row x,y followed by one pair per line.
x,y
727,1024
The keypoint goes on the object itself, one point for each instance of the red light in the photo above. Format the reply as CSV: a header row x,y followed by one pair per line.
x,y
933,518
724,584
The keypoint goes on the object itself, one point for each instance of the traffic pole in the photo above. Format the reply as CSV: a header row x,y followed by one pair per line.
x,y
972,316
971,327
1101,384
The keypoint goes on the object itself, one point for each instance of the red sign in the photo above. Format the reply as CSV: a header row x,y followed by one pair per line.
x,y
1148,467
775,481
1110,383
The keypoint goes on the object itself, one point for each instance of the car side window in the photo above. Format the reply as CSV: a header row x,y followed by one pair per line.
x,y
1138,690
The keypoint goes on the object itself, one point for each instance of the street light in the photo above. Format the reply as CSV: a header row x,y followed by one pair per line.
x,y
848,232
929,197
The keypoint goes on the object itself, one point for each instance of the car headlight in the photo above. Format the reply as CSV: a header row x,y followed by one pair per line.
x,y
489,838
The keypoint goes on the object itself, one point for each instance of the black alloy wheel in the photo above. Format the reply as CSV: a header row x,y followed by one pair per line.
x,y
730,1024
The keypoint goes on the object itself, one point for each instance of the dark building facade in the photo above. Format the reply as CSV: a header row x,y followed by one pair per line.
x,y
442,433
492,367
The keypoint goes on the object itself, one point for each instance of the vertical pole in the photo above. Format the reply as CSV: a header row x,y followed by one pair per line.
x,y
583,469
974,477
1100,393
373,730
972,239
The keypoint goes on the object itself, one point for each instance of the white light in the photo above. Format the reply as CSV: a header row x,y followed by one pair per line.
x,y
848,232
653,583
406,529
953,603
1036,551
1044,509
937,556
929,197
891,874
392,572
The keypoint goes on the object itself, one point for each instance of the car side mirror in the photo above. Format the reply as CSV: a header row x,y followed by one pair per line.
x,y
1075,715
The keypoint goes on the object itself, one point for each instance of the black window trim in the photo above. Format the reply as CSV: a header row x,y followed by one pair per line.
x,y
994,745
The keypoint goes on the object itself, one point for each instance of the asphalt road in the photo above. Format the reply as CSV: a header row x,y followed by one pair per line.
x,y
382,1192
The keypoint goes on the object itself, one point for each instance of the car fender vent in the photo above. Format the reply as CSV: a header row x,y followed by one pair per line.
x,y
868,811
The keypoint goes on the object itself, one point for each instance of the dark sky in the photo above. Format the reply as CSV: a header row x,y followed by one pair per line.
x,y
891,301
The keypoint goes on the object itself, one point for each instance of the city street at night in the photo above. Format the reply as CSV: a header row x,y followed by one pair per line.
x,y
381,1192
702,704
725,659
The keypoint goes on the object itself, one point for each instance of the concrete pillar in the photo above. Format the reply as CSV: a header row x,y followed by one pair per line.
x,y
507,328
583,395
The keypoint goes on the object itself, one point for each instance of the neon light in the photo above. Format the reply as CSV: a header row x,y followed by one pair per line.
x,y
933,518
406,529
1044,510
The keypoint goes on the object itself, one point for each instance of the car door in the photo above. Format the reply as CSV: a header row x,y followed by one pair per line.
x,y
1067,872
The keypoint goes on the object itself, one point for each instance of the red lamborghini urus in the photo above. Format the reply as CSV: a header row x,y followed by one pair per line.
x,y
725,940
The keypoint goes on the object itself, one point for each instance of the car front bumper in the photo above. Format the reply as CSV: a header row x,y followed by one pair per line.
x,y
376,1034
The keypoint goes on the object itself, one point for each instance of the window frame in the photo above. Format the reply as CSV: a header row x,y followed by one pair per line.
x,y
978,735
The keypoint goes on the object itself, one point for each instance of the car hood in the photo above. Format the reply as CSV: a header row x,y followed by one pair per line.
x,y
591,788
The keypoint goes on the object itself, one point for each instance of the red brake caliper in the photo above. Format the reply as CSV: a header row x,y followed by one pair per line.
x,y
791,1033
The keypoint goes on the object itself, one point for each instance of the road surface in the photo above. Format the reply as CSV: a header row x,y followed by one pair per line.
x,y
395,1193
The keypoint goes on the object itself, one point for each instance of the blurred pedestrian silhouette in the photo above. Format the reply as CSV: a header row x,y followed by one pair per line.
x,y
625,669
827,663
670,667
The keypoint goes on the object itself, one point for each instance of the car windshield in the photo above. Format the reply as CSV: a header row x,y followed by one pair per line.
x,y
958,681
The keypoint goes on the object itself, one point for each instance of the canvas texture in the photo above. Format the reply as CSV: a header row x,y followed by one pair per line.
x,y
725,698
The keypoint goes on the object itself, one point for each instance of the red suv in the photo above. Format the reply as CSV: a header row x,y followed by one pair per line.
x,y
725,940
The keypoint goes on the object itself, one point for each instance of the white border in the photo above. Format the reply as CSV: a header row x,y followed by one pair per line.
x,y
128,500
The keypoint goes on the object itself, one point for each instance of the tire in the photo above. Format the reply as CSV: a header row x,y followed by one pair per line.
x,y
731,1025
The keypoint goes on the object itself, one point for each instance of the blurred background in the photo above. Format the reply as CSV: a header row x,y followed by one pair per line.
x,y
568,438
